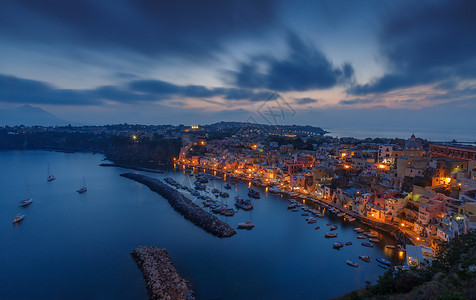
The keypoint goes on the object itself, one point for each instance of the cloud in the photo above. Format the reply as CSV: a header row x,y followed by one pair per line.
x,y
357,101
151,28
305,100
431,42
305,68
19,90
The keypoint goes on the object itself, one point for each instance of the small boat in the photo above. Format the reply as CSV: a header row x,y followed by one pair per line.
x,y
253,194
243,204
334,227
370,234
382,266
246,225
358,230
351,219
348,243
227,186
330,235
317,227
368,244
50,178
215,191
82,189
311,220
18,218
338,245
224,195
383,261
292,206
305,215
374,240
294,209
362,237
328,224
26,202
365,258
341,215
390,246
352,264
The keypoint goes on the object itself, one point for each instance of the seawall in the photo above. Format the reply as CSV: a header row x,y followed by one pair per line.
x,y
161,278
185,206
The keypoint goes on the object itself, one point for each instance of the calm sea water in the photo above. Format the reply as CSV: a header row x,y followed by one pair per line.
x,y
76,246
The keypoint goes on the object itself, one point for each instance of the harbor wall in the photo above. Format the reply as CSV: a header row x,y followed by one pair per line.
x,y
161,278
185,206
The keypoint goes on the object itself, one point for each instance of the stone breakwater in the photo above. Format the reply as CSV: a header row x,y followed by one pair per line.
x,y
161,277
185,206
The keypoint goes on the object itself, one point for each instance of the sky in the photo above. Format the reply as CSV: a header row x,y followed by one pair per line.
x,y
342,65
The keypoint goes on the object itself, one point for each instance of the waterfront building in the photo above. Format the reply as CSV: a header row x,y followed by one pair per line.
x,y
455,151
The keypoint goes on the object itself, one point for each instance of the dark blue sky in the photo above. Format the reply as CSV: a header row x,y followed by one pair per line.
x,y
199,61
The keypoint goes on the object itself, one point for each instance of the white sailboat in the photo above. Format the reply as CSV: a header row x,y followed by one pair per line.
x,y
83,187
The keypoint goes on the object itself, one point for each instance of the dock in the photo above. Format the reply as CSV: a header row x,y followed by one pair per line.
x,y
185,206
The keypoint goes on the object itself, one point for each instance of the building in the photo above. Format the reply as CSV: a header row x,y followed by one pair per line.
x,y
453,151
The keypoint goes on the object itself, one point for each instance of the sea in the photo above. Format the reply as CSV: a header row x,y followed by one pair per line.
x,y
77,246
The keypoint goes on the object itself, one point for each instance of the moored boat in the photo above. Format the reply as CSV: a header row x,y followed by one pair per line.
x,y
352,264
362,237
227,186
26,202
365,258
383,261
253,194
333,227
368,244
348,243
390,246
246,225
374,240
243,204
358,230
18,218
338,245
330,235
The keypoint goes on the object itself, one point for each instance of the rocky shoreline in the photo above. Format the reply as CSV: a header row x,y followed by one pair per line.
x,y
161,278
185,206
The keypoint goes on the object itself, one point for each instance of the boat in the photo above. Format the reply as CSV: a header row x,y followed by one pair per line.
x,y
348,243
383,261
224,195
390,246
317,227
18,218
50,176
26,202
246,225
341,215
311,220
243,204
362,237
370,234
365,258
338,245
227,186
333,227
352,219
374,240
291,206
83,188
294,209
253,194
382,266
351,263
368,244
330,235
305,215
215,191
358,230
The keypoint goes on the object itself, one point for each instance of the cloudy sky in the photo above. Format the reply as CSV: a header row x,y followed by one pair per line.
x,y
336,64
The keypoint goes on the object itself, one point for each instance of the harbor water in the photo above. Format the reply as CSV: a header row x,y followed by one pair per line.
x,y
77,246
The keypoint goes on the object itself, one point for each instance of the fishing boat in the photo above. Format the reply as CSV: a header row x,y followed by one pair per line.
x,y
243,204
362,237
338,245
383,261
246,225
18,218
370,245
374,240
358,230
26,202
351,263
365,258
330,235
333,227
390,246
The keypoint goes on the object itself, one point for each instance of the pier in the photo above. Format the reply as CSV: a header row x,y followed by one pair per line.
x,y
161,278
185,206
131,167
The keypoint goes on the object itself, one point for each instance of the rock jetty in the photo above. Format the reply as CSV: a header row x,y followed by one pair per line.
x,y
131,167
185,206
161,278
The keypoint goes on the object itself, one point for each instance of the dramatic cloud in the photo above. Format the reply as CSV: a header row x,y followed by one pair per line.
x,y
433,41
305,68
306,100
149,27
18,90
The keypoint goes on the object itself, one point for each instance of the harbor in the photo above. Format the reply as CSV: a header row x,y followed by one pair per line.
x,y
284,252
